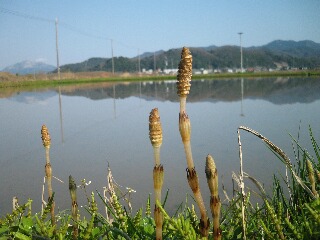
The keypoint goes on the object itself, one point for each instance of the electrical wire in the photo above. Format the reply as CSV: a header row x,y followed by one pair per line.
x,y
24,15
66,26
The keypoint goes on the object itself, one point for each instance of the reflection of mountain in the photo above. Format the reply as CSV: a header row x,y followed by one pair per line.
x,y
275,90
32,97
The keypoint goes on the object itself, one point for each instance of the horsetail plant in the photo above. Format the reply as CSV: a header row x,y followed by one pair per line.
x,y
46,141
215,204
155,134
183,87
74,206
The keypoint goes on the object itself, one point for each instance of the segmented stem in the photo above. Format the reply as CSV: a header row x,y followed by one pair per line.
x,y
74,206
215,204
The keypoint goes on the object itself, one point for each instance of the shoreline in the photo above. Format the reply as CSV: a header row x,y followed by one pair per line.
x,y
12,81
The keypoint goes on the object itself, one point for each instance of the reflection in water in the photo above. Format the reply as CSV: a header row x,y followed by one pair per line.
x,y
114,101
61,121
140,94
242,114
119,133
275,90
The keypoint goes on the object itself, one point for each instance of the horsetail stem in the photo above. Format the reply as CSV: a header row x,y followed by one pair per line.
x,y
183,89
195,187
155,135
74,206
46,141
158,218
185,132
215,204
158,181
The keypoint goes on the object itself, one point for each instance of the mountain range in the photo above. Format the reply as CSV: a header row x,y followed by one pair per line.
x,y
29,67
275,55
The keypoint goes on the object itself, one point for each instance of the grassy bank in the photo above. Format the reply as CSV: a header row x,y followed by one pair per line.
x,y
68,79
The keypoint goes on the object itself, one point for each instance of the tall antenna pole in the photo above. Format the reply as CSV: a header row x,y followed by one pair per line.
x,y
240,33
112,56
57,49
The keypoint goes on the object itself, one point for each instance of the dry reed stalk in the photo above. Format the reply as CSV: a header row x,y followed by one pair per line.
x,y
74,206
241,184
183,88
46,141
155,135
215,203
284,158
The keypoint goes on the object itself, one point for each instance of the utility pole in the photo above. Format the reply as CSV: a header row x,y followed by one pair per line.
x,y
139,61
57,49
154,62
112,56
240,33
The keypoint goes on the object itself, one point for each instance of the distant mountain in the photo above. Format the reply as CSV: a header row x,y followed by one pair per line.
x,y
302,54
210,47
29,67
299,49
148,54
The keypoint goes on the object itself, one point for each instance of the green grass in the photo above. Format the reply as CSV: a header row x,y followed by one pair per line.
x,y
290,211
53,83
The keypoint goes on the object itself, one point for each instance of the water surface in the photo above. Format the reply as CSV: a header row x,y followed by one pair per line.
x,y
94,125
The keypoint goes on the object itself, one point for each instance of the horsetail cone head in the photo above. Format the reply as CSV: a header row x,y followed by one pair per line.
x,y
211,174
184,73
155,129
184,127
45,136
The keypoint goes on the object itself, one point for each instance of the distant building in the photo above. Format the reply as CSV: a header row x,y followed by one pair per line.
x,y
170,71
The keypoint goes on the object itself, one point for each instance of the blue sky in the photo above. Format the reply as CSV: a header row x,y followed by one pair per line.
x,y
86,27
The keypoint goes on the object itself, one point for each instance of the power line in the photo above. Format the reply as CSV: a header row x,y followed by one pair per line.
x,y
81,32
24,15
66,26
